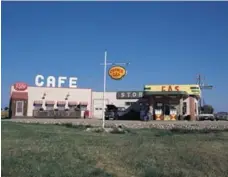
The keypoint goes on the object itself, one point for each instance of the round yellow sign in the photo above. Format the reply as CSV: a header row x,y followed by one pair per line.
x,y
117,72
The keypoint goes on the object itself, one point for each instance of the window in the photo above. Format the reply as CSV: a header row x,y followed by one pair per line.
x,y
61,107
38,105
129,103
98,109
49,107
194,87
184,109
82,107
72,105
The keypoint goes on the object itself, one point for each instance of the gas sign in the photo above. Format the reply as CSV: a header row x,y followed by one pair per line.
x,y
117,72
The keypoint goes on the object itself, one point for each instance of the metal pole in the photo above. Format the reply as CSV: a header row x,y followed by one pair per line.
x,y
105,72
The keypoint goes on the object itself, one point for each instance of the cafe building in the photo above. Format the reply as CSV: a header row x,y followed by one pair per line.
x,y
64,102
32,101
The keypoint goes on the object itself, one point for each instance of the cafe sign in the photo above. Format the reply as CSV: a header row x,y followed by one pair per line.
x,y
117,72
51,81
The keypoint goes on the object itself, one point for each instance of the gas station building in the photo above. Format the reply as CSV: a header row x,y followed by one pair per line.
x,y
173,102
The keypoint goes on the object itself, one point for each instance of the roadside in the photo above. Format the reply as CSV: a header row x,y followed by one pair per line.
x,y
132,124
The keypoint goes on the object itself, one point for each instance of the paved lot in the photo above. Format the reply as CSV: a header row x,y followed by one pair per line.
x,y
132,124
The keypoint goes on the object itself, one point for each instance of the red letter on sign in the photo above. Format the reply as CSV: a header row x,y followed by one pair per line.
x,y
170,88
177,88
163,88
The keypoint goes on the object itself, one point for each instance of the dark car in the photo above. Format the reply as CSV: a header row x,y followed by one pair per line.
x,y
113,112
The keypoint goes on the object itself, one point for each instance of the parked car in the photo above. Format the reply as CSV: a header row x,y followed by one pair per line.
x,y
206,117
221,116
113,112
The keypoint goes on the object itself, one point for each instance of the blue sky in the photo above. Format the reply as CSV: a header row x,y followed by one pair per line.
x,y
165,42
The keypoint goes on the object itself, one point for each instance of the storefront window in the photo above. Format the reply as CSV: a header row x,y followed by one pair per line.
x,y
37,106
49,107
72,107
61,107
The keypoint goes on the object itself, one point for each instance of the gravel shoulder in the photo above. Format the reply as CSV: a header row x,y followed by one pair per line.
x,y
131,124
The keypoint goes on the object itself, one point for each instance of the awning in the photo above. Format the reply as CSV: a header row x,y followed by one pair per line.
x,y
50,102
72,103
165,93
19,95
38,102
61,102
83,103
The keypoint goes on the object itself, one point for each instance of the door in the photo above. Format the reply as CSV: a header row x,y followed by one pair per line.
x,y
166,109
98,108
19,108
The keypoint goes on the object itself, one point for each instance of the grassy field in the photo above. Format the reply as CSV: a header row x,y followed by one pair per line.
x,y
32,150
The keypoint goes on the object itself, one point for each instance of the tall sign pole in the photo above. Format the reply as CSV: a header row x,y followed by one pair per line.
x,y
105,71
105,82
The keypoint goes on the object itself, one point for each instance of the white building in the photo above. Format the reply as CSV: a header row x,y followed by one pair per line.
x,y
25,99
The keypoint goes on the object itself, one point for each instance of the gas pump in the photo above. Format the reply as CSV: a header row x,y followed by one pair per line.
x,y
158,114
173,114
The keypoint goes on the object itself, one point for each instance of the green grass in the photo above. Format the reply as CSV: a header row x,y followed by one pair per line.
x,y
33,150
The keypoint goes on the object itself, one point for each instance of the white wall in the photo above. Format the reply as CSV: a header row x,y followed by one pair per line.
x,y
58,94
110,99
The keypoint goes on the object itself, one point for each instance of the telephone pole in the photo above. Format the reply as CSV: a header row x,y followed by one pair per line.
x,y
200,82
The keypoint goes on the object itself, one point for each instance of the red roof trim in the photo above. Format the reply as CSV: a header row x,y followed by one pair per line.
x,y
19,95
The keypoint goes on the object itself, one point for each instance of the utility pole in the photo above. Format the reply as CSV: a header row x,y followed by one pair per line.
x,y
202,86
104,91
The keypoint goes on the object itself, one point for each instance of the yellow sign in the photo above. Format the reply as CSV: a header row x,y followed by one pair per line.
x,y
190,89
117,72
